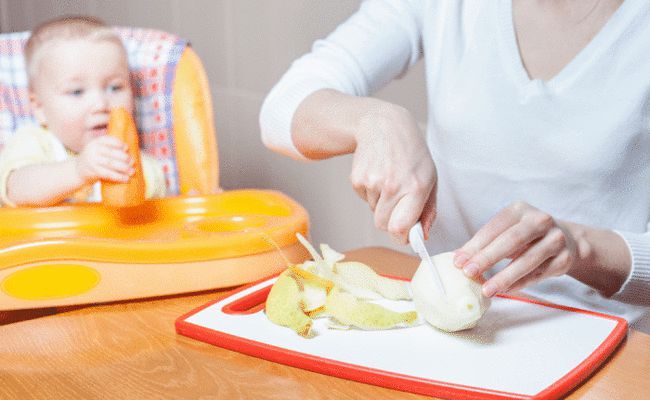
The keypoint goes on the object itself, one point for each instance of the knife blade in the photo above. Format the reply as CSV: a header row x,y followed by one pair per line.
x,y
416,240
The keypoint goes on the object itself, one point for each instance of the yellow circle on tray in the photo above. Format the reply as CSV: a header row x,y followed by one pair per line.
x,y
50,281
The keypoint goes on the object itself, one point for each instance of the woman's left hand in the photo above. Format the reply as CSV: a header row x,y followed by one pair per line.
x,y
538,245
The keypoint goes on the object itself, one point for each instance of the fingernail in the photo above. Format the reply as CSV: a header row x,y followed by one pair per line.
x,y
460,260
489,289
471,269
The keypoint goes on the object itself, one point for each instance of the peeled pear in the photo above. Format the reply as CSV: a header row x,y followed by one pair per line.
x,y
462,305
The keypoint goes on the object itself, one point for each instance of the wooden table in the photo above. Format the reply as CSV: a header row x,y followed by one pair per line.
x,y
130,350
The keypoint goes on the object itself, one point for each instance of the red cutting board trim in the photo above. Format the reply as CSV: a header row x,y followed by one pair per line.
x,y
393,380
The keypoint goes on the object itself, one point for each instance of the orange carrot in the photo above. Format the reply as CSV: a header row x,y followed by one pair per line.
x,y
131,193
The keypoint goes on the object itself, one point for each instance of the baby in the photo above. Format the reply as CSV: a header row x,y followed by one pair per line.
x,y
78,71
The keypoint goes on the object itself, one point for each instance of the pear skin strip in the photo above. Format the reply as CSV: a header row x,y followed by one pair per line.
x,y
313,298
347,310
330,255
316,312
283,305
311,278
359,275
312,251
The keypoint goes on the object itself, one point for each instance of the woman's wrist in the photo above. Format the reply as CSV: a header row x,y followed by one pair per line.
x,y
603,260
375,114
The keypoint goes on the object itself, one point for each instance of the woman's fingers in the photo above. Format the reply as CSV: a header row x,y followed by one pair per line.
x,y
555,266
384,210
530,262
538,246
360,191
366,184
373,197
533,224
397,207
404,215
532,278
514,240
503,220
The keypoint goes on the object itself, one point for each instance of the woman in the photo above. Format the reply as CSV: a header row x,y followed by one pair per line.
x,y
535,154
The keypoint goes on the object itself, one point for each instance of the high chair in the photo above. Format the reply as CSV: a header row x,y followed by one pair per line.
x,y
199,238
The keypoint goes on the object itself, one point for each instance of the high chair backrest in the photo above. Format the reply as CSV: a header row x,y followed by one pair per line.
x,y
173,106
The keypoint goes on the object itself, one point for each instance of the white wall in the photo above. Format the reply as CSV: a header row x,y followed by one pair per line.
x,y
246,45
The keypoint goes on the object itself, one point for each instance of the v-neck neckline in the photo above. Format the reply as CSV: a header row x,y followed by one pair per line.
x,y
598,44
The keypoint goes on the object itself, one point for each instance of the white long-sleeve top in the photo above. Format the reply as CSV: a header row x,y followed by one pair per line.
x,y
576,146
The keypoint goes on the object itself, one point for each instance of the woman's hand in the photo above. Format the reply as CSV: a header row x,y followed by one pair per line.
x,y
539,246
393,171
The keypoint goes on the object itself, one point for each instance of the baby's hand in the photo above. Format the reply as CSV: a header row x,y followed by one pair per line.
x,y
105,158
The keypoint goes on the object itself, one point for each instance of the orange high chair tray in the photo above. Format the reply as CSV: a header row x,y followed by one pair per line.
x,y
90,253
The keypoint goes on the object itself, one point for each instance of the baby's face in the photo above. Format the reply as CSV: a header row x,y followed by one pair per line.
x,y
78,83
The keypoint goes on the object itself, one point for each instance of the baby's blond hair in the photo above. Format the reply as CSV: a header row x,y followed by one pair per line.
x,y
64,28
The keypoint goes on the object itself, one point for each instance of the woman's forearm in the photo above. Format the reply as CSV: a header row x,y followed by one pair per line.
x,y
604,261
328,123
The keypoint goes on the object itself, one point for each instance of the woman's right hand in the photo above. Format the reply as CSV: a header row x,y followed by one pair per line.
x,y
393,171
104,158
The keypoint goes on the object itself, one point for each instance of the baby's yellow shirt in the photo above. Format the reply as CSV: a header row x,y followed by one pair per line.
x,y
32,144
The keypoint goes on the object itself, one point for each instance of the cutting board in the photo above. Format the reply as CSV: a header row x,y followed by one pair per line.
x,y
521,349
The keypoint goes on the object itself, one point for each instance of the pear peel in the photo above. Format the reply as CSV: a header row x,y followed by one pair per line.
x,y
462,306
327,287
354,275
284,305
347,310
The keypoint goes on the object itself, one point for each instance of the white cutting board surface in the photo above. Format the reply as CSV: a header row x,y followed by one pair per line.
x,y
519,349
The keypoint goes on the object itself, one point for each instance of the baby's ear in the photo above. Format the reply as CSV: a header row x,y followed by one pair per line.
x,y
37,108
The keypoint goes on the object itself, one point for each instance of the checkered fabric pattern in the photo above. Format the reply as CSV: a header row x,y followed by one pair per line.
x,y
153,56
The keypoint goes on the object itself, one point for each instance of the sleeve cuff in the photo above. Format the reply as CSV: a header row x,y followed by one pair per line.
x,y
636,288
